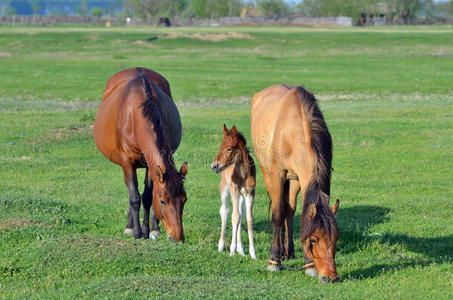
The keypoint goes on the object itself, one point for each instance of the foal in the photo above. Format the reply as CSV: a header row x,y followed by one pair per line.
x,y
238,180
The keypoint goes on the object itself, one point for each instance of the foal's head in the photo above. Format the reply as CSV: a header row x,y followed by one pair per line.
x,y
232,145
319,238
169,198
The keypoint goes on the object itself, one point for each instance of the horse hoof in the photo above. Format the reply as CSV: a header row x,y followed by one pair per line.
x,y
241,252
221,246
273,268
153,235
311,272
128,231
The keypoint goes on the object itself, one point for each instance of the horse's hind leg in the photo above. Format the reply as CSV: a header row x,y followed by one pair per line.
x,y
239,245
130,179
249,211
147,200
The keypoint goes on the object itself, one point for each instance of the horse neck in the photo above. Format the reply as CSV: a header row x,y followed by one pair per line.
x,y
243,163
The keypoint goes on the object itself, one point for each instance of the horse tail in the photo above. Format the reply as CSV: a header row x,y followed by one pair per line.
x,y
318,190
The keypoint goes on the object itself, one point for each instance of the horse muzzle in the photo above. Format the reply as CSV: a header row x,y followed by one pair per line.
x,y
326,279
216,167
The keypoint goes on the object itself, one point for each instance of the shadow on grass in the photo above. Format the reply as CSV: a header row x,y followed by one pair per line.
x,y
355,222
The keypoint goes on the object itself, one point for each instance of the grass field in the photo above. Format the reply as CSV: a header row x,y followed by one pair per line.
x,y
387,97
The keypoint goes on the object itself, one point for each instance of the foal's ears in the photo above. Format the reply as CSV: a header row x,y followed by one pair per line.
x,y
311,212
225,130
184,169
159,174
334,207
234,130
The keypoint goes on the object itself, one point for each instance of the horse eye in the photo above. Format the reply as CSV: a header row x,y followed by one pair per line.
x,y
162,202
313,242
230,149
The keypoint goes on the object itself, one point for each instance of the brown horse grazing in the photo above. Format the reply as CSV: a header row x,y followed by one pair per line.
x,y
238,180
294,148
138,126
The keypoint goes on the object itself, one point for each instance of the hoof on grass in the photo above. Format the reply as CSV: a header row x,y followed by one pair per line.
x,y
128,231
153,235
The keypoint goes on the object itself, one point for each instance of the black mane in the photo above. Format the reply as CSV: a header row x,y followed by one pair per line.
x,y
318,190
152,110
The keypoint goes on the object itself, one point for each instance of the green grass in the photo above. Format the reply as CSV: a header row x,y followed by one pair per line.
x,y
386,94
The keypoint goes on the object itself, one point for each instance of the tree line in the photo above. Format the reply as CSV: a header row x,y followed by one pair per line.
x,y
404,11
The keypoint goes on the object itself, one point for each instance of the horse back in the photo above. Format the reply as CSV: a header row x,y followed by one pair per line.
x,y
280,129
121,130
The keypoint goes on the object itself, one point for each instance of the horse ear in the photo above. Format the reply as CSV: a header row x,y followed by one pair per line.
x,y
311,213
184,169
334,207
234,130
225,130
159,174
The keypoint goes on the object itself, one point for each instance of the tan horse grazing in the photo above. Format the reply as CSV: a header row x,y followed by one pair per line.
x,y
138,126
294,148
238,180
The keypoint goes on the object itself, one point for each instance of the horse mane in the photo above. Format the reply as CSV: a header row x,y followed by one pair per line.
x,y
318,190
152,110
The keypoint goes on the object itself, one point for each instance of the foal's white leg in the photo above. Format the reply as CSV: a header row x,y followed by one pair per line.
x,y
240,247
224,210
235,218
249,208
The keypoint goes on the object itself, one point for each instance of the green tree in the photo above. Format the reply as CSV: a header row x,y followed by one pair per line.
x,y
35,7
83,8
153,9
97,12
275,8
215,8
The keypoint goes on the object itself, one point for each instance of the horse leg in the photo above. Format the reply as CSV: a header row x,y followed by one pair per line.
x,y
130,179
224,210
155,230
274,184
235,218
147,200
240,247
294,188
130,223
249,207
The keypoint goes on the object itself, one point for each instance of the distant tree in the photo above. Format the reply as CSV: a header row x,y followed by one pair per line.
x,y
216,8
406,10
36,7
97,12
309,8
83,8
4,5
275,8
153,9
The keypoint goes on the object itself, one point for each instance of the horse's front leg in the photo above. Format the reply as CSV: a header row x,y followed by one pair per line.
x,y
147,200
130,179
235,217
294,189
275,188
224,211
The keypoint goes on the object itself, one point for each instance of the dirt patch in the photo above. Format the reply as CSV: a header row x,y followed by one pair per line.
x,y
9,224
213,37
144,43
61,134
